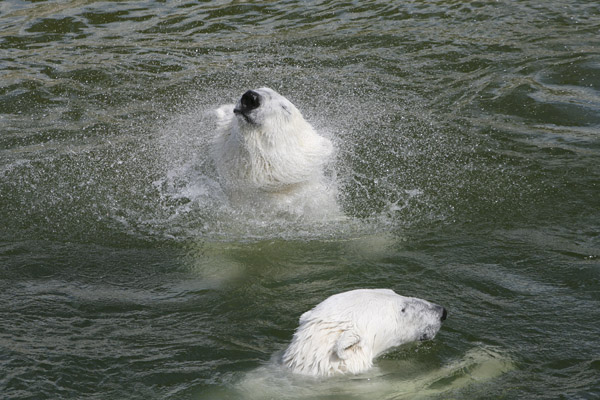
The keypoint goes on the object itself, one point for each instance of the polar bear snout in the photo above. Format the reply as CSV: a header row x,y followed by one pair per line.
x,y
444,313
439,316
249,101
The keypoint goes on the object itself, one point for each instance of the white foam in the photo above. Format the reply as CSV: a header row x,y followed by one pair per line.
x,y
401,380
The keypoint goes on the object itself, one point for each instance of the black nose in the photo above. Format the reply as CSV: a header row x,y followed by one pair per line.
x,y
444,314
250,100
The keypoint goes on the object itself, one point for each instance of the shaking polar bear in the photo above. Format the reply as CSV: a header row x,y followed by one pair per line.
x,y
267,153
344,333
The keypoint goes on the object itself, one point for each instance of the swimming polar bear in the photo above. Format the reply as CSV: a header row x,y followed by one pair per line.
x,y
344,333
267,153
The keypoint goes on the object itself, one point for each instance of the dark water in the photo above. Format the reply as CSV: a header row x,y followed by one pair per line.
x,y
468,163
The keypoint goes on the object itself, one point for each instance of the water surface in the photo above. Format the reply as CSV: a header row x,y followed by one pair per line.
x,y
468,153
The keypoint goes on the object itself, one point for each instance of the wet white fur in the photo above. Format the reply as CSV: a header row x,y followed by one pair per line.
x,y
278,156
344,333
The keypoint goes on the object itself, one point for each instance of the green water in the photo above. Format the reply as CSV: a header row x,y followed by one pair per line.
x,y
467,140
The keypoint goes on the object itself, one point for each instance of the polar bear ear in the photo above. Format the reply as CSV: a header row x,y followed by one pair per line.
x,y
345,344
286,109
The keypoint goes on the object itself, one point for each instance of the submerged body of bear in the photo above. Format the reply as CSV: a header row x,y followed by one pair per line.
x,y
345,332
268,154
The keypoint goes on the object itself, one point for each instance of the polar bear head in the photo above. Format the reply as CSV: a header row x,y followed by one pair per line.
x,y
265,107
263,142
344,333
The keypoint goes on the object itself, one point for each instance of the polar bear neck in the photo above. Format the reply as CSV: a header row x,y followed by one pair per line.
x,y
276,155
308,356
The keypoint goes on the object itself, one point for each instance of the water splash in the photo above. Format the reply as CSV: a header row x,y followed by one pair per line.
x,y
151,177
387,177
405,379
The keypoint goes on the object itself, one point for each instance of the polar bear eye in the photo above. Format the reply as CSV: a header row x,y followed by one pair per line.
x,y
403,309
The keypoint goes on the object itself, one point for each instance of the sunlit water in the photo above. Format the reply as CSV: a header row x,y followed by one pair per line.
x,y
467,163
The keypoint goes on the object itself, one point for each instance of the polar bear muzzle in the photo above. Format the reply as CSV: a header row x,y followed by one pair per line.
x,y
249,101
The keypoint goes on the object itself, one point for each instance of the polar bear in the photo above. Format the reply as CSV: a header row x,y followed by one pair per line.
x,y
265,151
345,332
